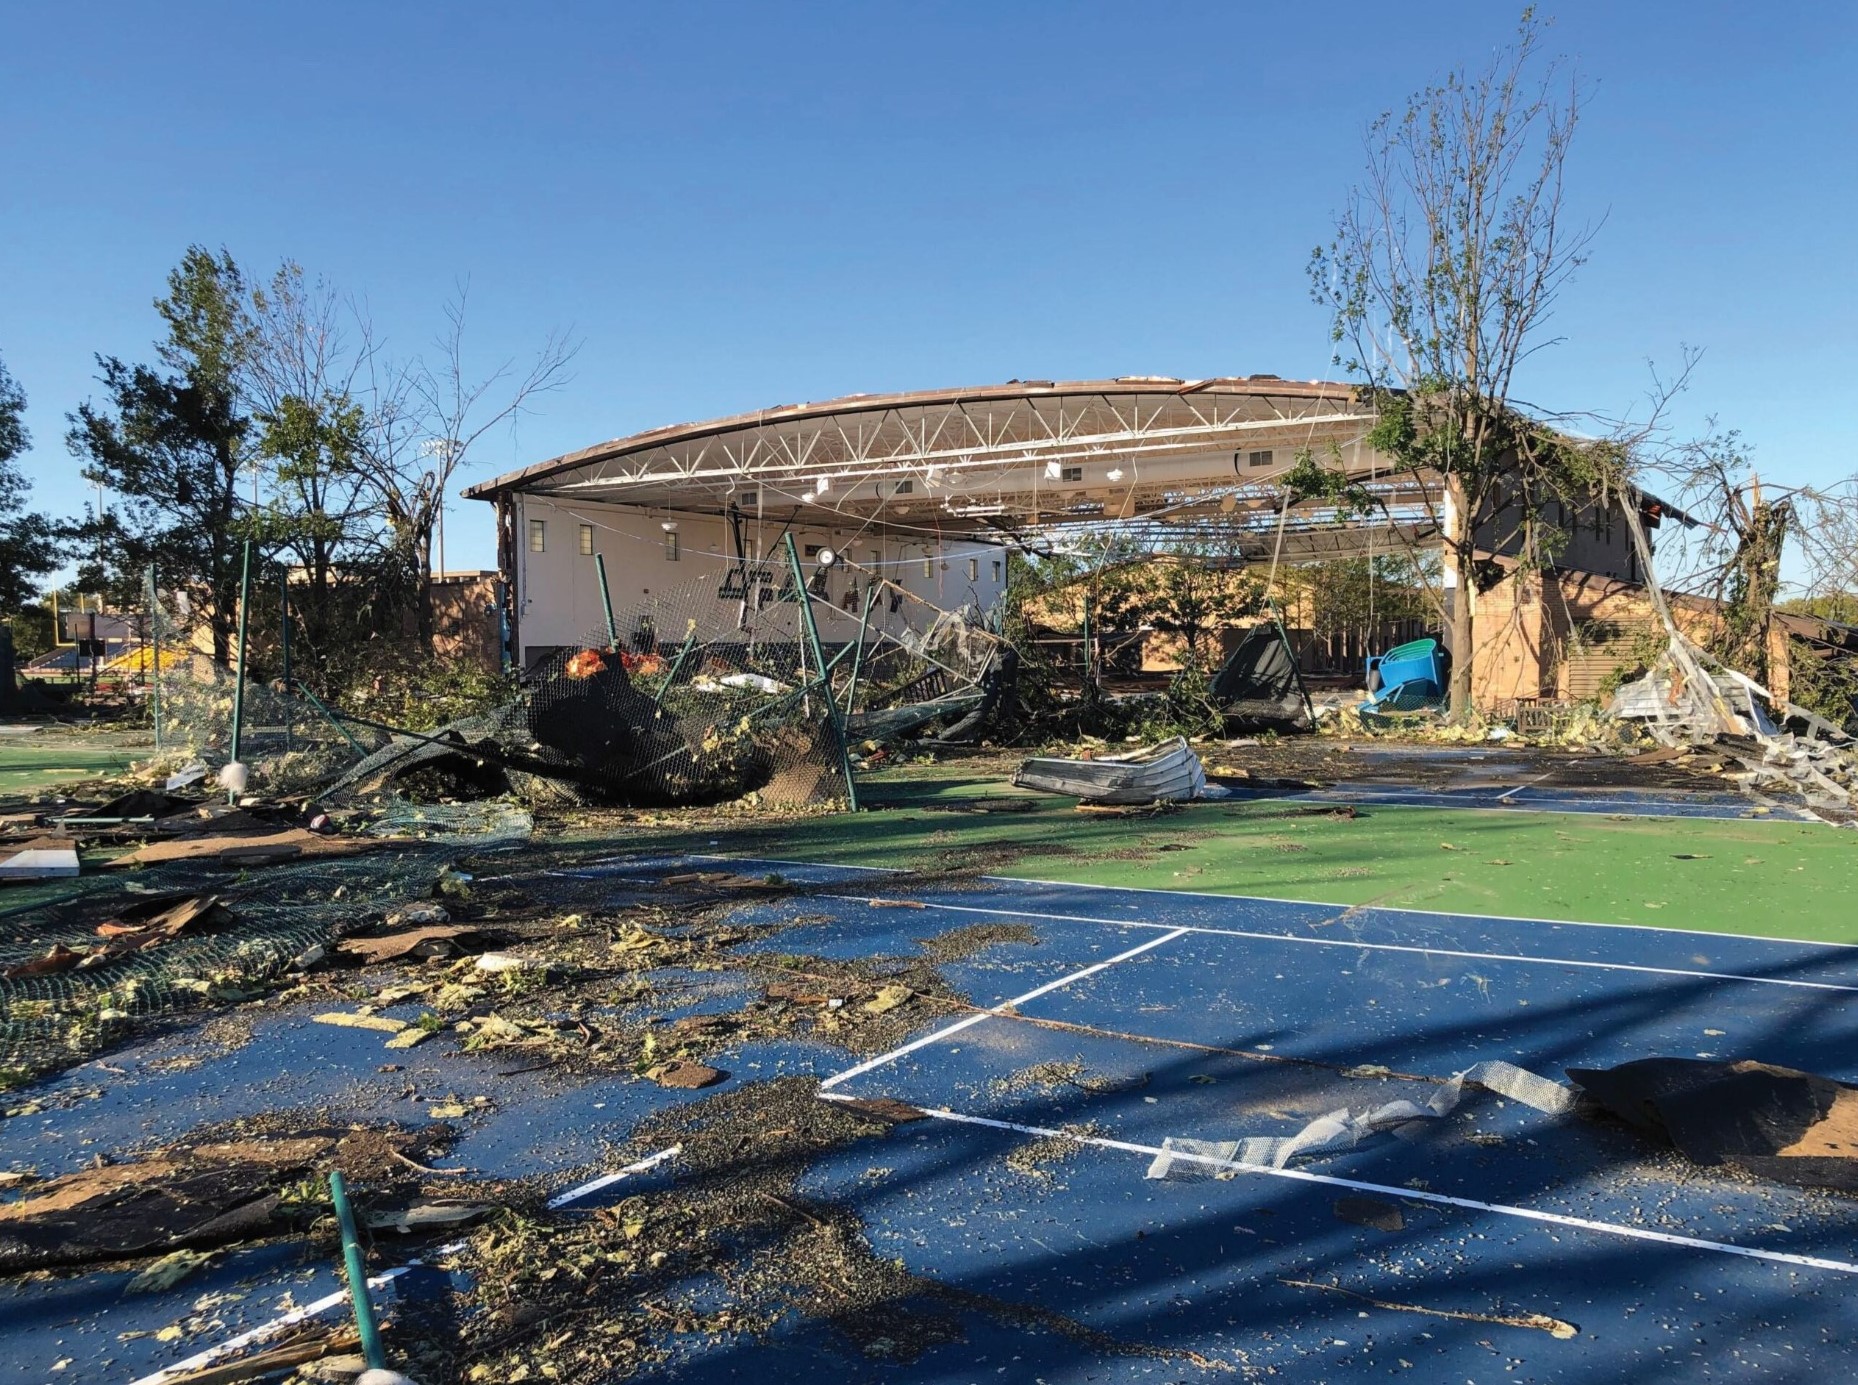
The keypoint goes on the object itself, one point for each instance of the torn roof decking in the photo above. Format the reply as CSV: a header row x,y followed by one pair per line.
x,y
1068,452
1156,455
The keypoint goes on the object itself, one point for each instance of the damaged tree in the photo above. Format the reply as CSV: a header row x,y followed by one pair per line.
x,y
1445,266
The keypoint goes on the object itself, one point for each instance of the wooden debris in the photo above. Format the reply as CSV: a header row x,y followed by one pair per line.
x,y
1541,1322
437,940
685,1075
348,1020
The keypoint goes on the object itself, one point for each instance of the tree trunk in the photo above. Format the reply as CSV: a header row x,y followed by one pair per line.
x,y
1463,652
1462,556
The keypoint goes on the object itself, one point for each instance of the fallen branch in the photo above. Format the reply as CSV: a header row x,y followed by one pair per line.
x,y
1554,1327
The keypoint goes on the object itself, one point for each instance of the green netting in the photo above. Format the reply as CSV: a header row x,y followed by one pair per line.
x,y
270,916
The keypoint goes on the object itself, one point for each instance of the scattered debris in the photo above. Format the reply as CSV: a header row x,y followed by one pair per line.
x,y
417,914
419,944
1773,1122
349,1020
168,1271
684,1074
1163,773
194,1196
42,858
1341,1129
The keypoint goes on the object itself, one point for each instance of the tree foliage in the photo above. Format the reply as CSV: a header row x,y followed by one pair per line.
x,y
28,541
171,445
274,416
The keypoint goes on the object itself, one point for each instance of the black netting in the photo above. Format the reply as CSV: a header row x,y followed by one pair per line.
x,y
713,692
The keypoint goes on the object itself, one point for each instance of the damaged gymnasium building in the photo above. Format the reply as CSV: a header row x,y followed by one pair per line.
x,y
931,495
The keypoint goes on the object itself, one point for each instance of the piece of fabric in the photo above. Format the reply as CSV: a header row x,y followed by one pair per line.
x,y
1342,1129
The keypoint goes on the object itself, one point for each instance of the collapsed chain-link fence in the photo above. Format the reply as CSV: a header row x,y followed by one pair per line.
x,y
721,689
67,992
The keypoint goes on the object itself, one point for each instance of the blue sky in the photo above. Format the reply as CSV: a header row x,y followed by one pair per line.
x,y
738,205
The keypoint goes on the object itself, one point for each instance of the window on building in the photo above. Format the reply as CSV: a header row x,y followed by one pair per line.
x,y
809,550
974,569
928,566
1071,473
670,545
538,536
587,540
904,488
1258,458
996,570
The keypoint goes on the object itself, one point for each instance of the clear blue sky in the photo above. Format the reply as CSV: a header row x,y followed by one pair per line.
x,y
737,205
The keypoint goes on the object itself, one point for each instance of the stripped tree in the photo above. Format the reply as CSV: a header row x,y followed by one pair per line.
x,y
1444,269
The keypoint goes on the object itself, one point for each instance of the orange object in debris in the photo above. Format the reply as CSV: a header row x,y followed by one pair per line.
x,y
640,663
586,664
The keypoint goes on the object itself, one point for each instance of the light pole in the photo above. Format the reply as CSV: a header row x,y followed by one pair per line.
x,y
445,451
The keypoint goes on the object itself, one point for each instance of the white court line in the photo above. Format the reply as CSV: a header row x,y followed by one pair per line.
x,y
1526,784
1390,1190
606,1180
279,1323
996,1011
322,1305
1651,928
1379,947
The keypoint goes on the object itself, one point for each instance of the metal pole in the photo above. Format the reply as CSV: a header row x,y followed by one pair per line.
x,y
283,605
677,664
365,1326
154,631
238,686
606,602
819,662
283,641
864,624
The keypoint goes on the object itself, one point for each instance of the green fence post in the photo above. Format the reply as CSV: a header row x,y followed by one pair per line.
x,y
154,632
825,676
864,624
369,1331
606,602
238,686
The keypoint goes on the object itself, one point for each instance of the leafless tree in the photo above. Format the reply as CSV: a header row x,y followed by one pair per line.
x,y
1441,279
427,415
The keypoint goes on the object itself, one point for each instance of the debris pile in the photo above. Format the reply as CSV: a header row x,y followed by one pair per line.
x,y
1773,1122
1166,773
718,691
208,1193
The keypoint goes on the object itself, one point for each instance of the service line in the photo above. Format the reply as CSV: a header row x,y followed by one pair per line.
x,y
1636,1233
995,1011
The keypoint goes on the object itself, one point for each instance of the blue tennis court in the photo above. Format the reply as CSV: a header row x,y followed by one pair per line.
x,y
1134,1031
1146,1017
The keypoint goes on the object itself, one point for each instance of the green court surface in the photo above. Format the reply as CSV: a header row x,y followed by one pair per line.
x,y
1747,876
32,763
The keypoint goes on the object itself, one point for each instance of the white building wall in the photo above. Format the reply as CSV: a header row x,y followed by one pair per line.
x,y
557,591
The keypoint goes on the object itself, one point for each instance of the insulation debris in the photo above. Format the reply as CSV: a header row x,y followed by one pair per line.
x,y
1341,1129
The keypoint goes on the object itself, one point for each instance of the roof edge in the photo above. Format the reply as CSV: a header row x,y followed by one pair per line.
x,y
874,403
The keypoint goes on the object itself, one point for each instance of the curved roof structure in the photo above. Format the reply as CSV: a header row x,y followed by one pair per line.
x,y
1028,454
